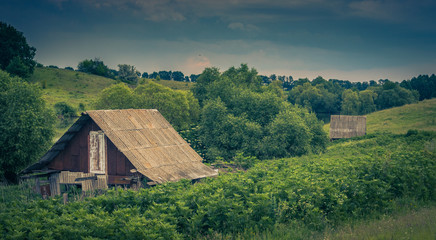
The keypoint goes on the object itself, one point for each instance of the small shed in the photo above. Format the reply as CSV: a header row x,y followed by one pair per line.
x,y
342,126
119,147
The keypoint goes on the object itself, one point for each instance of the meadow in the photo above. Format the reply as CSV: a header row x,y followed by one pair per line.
x,y
378,186
73,87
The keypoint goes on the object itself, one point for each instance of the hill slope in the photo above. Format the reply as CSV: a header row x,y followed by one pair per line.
x,y
76,87
419,116
70,86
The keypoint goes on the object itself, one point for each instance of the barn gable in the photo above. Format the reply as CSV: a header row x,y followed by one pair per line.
x,y
118,143
342,126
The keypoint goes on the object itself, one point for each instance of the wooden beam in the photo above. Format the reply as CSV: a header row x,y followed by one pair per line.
x,y
86,178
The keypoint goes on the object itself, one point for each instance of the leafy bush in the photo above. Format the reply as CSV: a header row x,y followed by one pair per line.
x,y
239,114
351,180
180,108
26,125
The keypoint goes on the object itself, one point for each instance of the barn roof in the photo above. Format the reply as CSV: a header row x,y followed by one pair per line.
x,y
343,126
146,138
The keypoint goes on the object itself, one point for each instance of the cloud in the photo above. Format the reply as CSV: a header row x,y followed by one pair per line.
x,y
379,9
242,27
196,64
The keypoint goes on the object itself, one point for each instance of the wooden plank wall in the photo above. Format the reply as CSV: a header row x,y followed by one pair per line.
x,y
343,126
67,177
75,155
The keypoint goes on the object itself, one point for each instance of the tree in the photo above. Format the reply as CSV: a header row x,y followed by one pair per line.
x,y
240,115
26,125
16,56
425,85
127,73
180,108
351,104
165,75
117,96
178,76
95,66
367,99
293,132
392,95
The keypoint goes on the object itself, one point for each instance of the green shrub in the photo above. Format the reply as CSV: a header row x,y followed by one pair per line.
x,y
353,179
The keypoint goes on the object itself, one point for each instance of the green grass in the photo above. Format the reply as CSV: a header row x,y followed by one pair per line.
x,y
413,224
174,84
74,87
410,222
419,116
70,86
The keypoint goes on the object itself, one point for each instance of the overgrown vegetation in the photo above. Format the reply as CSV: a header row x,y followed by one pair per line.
x,y
337,97
26,125
239,114
180,108
353,179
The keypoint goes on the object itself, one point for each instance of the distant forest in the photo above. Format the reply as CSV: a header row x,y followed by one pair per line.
x,y
321,96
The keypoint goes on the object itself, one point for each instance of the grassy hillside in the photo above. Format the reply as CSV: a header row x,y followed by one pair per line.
x,y
76,87
419,116
70,86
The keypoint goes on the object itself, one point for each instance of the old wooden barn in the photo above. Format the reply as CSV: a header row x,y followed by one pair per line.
x,y
118,147
342,126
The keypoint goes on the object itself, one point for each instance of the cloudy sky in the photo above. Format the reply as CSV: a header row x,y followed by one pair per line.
x,y
349,40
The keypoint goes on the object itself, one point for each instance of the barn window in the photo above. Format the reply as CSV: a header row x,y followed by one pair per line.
x,y
97,152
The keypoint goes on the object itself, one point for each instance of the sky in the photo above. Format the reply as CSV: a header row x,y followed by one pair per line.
x,y
336,39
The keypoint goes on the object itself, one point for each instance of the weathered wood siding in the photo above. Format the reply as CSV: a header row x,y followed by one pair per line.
x,y
118,164
67,177
75,157
342,126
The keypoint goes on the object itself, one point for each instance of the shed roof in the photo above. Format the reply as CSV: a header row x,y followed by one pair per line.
x,y
148,141
343,126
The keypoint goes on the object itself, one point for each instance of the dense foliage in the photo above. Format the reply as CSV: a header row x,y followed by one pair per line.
x,y
26,125
96,67
240,115
342,97
351,180
16,56
424,84
180,108
127,73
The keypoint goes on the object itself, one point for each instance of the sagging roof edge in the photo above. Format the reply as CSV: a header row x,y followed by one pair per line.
x,y
59,146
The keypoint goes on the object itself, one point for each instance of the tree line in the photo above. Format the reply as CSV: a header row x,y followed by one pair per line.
x,y
227,115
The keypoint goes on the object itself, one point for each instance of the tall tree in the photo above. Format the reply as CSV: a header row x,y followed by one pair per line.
x,y
351,104
16,56
128,73
241,115
26,125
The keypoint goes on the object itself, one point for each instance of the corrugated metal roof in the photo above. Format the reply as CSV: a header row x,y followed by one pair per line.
x,y
343,126
151,144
